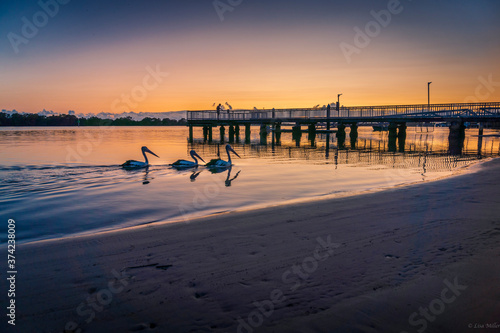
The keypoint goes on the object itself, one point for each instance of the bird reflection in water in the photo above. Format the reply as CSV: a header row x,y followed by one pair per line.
x,y
194,175
228,180
143,170
145,180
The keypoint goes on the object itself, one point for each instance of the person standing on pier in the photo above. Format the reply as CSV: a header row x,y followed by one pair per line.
x,y
218,111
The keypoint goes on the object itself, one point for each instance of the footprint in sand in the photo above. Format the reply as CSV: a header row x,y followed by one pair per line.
x,y
143,326
390,256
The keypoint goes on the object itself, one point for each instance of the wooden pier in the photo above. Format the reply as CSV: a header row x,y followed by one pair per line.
x,y
456,115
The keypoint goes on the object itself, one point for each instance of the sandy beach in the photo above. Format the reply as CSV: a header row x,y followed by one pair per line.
x,y
422,258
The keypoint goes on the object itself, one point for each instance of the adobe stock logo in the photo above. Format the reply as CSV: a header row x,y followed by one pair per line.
x,y
225,6
425,315
40,19
139,93
373,29
484,89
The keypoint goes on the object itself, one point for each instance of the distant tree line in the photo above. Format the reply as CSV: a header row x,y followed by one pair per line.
x,y
32,119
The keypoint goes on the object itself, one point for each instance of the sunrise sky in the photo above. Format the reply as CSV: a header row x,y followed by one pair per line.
x,y
97,56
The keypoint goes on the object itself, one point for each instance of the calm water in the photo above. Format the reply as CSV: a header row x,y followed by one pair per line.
x,y
60,181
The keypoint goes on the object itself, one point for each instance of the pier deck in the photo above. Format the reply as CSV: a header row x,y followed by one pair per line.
x,y
469,112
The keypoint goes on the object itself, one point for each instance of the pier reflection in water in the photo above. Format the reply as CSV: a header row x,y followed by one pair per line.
x,y
401,147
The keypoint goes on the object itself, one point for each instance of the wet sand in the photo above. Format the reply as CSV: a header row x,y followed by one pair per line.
x,y
418,257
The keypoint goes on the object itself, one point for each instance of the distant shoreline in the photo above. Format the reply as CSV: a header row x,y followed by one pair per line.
x,y
30,126
29,120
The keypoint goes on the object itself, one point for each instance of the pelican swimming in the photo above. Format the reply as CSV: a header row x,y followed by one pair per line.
x,y
188,164
138,164
218,163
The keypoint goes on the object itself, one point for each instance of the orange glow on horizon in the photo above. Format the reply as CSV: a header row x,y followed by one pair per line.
x,y
263,74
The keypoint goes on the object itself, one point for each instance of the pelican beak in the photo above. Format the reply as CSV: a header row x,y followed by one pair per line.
x,y
196,154
149,151
235,153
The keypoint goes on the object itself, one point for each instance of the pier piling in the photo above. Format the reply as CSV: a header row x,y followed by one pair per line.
x,y
231,134
191,140
340,135
247,133
263,134
456,137
222,133
393,135
402,137
277,131
297,133
205,133
237,132
353,135
480,140
311,132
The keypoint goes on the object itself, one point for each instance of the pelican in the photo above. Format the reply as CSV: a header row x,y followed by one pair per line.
x,y
138,164
218,163
188,164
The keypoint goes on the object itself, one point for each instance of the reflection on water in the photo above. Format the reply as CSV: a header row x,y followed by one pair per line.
x,y
60,181
194,175
229,180
144,172
426,150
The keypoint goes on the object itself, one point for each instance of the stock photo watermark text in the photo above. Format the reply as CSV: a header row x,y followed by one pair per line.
x,y
294,276
11,271
30,28
222,7
98,301
372,29
437,306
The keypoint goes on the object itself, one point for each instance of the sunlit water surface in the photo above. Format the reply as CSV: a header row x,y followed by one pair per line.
x,y
61,181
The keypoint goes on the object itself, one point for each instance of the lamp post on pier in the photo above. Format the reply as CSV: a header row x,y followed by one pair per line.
x,y
429,96
338,104
328,117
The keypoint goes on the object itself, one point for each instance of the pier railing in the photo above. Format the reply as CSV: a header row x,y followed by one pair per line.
x,y
475,110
